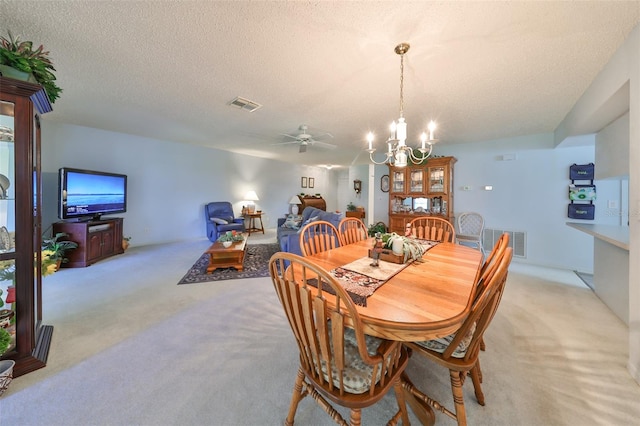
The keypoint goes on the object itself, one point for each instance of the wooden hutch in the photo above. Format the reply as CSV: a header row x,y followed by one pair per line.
x,y
420,189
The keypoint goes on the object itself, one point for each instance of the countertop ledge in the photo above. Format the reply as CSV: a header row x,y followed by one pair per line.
x,y
616,235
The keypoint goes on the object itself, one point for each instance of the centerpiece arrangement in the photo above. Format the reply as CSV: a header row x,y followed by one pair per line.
x,y
403,249
230,237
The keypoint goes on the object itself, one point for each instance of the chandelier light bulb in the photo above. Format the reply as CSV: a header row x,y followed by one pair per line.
x,y
370,138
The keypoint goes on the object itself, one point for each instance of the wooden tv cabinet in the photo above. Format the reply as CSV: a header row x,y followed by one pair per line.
x,y
97,240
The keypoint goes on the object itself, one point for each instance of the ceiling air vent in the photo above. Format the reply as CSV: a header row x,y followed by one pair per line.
x,y
245,104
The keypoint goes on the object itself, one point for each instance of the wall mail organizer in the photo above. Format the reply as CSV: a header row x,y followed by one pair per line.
x,y
582,195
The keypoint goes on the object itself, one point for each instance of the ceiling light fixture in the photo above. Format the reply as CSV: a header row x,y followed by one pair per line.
x,y
398,152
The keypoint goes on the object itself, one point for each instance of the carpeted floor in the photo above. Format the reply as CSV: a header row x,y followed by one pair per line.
x,y
256,264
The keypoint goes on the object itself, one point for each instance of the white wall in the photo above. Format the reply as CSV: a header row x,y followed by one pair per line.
x,y
169,183
614,91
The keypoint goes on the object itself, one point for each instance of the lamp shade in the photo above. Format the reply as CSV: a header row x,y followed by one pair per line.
x,y
295,200
251,196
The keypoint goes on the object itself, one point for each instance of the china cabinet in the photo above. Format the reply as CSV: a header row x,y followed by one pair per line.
x,y
421,189
21,104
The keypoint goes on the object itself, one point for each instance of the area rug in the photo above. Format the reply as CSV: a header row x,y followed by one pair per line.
x,y
256,264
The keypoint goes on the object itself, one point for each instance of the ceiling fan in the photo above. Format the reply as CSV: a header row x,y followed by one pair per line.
x,y
304,139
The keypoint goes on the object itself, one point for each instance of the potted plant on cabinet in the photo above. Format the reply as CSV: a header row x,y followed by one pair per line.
x,y
125,243
58,247
16,55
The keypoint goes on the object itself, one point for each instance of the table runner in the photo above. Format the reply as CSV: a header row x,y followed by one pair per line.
x,y
361,280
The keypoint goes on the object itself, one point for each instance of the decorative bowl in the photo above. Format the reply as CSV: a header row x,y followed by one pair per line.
x,y
227,244
6,374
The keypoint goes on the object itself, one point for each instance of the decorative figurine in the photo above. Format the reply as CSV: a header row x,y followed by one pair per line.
x,y
377,249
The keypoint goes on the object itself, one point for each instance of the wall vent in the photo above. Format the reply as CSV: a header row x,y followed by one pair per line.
x,y
517,241
245,104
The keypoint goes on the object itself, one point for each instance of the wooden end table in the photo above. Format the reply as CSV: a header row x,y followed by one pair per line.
x,y
227,257
252,222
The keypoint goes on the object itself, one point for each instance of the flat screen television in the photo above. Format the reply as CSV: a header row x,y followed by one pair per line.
x,y
88,194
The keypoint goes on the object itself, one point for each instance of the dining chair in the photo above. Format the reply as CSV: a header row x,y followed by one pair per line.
x,y
433,228
318,236
351,230
469,229
338,363
459,352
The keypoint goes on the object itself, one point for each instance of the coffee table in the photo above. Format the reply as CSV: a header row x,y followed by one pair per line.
x,y
227,257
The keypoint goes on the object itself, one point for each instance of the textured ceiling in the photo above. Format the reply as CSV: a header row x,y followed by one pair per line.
x,y
168,69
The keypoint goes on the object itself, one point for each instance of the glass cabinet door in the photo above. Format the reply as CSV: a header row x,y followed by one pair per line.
x,y
398,185
7,222
437,180
416,181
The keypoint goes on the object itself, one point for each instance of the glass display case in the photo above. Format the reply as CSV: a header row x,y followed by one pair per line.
x,y
421,189
398,181
416,181
20,224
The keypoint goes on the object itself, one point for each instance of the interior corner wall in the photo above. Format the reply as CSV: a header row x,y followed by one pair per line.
x,y
632,51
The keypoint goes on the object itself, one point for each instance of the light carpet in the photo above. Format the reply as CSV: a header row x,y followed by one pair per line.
x,y
132,348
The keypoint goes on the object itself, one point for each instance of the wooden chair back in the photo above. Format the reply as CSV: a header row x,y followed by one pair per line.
x,y
351,230
490,264
317,237
324,339
484,308
469,337
433,228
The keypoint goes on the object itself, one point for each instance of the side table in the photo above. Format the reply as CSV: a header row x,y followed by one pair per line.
x,y
252,222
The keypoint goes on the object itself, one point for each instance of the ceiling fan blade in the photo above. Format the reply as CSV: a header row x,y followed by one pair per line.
x,y
323,136
289,136
325,145
286,143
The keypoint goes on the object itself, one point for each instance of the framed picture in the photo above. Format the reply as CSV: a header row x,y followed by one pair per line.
x,y
311,182
303,182
384,183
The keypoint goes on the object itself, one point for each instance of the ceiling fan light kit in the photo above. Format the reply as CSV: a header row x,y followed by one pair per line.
x,y
398,153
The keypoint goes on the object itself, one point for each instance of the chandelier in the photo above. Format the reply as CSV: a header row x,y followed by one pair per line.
x,y
397,150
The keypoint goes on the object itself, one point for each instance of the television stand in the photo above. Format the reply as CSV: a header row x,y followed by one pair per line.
x,y
97,240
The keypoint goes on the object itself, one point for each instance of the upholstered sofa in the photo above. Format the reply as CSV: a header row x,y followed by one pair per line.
x,y
287,233
220,219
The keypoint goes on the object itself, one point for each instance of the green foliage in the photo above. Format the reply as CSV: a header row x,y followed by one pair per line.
x,y
378,227
21,56
5,340
351,207
230,236
58,247
411,248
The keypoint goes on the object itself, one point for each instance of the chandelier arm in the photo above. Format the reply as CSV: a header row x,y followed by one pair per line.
x,y
385,161
426,154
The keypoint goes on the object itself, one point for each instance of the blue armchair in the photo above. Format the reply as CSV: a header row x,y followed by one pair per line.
x,y
220,219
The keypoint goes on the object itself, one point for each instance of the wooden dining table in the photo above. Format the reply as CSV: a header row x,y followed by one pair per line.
x,y
427,299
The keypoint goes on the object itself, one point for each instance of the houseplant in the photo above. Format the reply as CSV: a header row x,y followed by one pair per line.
x,y
399,244
230,237
125,243
20,56
58,247
351,207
